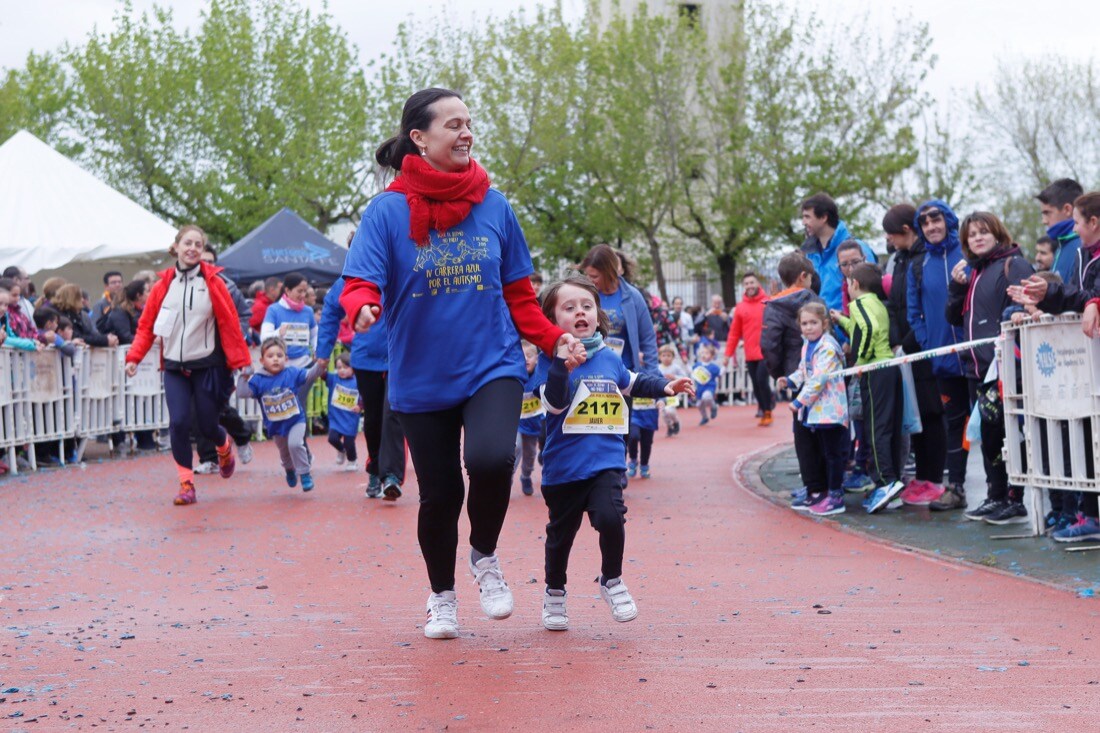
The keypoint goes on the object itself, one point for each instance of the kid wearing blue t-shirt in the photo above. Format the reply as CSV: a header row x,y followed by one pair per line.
x,y
343,411
706,373
290,319
276,388
532,419
584,457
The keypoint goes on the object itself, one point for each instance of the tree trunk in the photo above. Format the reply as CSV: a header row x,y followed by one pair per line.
x,y
727,268
658,268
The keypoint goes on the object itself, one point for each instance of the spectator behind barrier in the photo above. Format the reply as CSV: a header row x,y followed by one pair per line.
x,y
113,283
69,302
1056,208
824,233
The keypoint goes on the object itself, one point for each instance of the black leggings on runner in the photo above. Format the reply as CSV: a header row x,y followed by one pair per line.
x,y
642,437
207,388
485,426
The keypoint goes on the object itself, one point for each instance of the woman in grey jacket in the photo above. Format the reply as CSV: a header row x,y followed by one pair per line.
x,y
632,333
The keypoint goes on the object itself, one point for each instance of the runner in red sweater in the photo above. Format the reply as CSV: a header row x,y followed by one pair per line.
x,y
748,321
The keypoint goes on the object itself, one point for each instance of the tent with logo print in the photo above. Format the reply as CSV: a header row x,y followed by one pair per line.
x,y
283,244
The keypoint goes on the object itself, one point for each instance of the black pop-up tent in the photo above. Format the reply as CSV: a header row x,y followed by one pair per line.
x,y
282,244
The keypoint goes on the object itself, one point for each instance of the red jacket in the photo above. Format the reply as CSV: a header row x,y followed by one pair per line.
x,y
748,322
236,351
259,309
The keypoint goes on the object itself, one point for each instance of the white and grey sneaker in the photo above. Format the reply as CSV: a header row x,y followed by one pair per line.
x,y
442,622
496,598
244,453
207,467
619,599
340,458
554,616
350,467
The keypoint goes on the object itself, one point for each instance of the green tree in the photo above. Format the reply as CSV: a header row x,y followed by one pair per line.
x,y
39,98
262,108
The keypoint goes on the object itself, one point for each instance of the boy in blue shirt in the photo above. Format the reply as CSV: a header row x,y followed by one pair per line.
x,y
705,373
276,388
344,409
532,420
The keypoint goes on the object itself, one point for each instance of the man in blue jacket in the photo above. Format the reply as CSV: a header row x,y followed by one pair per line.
x,y
825,232
926,294
1056,208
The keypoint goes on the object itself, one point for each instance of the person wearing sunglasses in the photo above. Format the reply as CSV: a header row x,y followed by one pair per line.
x,y
926,294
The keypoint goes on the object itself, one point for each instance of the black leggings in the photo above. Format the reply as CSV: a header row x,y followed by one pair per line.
x,y
761,387
206,388
488,422
344,444
957,404
640,437
385,438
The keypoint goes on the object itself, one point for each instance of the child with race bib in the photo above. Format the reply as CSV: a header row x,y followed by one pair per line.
x,y
532,418
643,424
276,387
587,418
343,411
293,322
706,373
670,369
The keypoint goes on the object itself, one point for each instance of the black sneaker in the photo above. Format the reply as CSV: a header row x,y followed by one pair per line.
x,y
952,498
987,508
1012,513
391,488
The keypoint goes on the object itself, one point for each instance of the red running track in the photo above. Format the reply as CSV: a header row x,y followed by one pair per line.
x,y
261,608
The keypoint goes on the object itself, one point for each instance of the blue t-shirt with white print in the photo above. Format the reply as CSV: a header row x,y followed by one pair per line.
x,y
450,331
343,398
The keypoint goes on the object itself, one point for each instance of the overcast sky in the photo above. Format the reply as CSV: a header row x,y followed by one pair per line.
x,y
970,36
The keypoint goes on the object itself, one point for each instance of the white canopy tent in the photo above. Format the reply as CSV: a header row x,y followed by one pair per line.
x,y
53,212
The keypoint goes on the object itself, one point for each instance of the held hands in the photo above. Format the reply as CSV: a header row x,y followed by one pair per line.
x,y
366,317
1030,291
680,385
958,273
572,350
1090,321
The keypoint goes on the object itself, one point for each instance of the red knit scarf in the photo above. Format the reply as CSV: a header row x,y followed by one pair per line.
x,y
438,200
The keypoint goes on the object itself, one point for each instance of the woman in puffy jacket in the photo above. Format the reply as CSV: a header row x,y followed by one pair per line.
x,y
191,310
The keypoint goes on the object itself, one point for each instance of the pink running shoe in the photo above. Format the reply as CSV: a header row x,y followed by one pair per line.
x,y
227,464
921,493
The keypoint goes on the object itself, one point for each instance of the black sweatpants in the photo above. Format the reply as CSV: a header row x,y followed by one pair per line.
x,y
203,389
343,444
602,498
761,386
930,447
640,437
957,405
485,427
385,437
829,445
882,422
805,450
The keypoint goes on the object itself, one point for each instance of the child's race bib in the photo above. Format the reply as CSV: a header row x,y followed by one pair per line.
x,y
345,398
297,334
644,403
597,407
280,405
615,344
531,406
701,374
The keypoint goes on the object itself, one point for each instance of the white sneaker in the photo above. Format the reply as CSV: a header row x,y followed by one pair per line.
x,y
554,616
244,453
340,458
618,597
207,467
350,467
496,598
442,620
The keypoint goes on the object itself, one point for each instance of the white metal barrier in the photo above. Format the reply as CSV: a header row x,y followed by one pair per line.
x,y
51,400
99,382
142,405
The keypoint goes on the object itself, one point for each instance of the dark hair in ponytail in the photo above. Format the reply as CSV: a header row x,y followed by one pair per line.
x,y
416,115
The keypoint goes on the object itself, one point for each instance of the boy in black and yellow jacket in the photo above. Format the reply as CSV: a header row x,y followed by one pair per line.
x,y
881,389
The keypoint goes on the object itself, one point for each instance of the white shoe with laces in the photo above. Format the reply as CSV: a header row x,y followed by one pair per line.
x,y
244,453
554,616
350,467
442,622
619,599
496,598
206,467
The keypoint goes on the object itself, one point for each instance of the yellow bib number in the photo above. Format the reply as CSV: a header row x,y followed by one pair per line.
x,y
281,405
597,407
701,374
531,407
344,398
644,403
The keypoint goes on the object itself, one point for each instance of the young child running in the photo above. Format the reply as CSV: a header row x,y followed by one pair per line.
x,y
584,457
643,424
670,369
277,387
531,421
822,406
343,412
706,373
